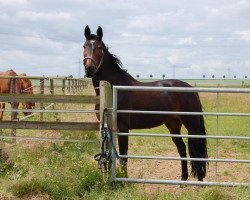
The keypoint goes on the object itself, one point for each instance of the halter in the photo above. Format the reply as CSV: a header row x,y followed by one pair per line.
x,y
96,66
91,58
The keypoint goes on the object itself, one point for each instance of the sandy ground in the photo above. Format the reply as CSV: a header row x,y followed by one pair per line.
x,y
171,170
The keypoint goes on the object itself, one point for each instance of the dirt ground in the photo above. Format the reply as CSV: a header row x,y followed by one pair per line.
x,y
171,170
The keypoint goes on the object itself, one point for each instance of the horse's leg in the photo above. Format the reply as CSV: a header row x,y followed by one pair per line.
x,y
2,106
197,146
174,126
123,148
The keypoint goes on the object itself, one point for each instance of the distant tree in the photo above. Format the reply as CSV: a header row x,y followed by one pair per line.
x,y
151,76
204,76
163,76
245,76
137,75
213,76
234,76
224,76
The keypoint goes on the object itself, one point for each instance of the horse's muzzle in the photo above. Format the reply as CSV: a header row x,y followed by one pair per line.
x,y
90,71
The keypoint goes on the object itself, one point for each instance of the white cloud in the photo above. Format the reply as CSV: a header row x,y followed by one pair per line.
x,y
244,34
230,10
151,23
13,2
186,41
208,39
42,16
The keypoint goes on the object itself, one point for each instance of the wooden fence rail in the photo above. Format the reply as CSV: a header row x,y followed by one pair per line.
x,y
73,86
47,98
49,125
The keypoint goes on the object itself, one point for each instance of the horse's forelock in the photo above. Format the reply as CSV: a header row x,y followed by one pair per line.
x,y
93,37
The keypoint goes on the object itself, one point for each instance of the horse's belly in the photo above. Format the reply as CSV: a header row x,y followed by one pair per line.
x,y
139,121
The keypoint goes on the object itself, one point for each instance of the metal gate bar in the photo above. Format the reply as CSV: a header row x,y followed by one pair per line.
x,y
173,182
185,136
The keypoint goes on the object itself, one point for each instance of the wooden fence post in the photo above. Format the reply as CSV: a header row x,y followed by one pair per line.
x,y
77,85
106,119
13,104
63,86
51,86
41,92
68,86
52,91
73,86
105,101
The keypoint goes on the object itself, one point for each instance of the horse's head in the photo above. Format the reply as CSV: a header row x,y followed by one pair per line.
x,y
93,51
27,89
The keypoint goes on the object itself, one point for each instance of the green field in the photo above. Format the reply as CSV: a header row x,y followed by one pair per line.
x,y
47,170
212,82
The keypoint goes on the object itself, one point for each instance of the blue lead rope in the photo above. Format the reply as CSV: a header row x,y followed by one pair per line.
x,y
104,158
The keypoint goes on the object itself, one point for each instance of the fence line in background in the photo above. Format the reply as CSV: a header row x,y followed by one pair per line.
x,y
75,86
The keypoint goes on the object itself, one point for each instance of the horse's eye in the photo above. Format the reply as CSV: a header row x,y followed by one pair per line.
x,y
84,46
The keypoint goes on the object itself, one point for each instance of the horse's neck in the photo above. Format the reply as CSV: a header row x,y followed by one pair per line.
x,y
114,77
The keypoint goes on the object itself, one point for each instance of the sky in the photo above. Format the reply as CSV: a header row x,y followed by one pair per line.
x,y
180,38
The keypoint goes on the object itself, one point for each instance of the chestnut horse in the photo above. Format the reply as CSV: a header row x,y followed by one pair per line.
x,y
100,64
22,86
27,89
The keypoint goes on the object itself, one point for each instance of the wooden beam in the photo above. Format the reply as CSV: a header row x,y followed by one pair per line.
x,y
106,102
49,125
46,98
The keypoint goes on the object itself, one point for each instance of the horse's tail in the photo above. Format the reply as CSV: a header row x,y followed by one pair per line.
x,y
198,149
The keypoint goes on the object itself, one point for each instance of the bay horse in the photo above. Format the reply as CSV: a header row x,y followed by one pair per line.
x,y
22,86
100,64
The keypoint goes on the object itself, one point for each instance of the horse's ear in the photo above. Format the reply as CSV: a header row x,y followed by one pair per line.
x,y
99,32
87,31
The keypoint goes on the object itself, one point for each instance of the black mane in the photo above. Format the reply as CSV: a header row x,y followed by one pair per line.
x,y
115,59
117,63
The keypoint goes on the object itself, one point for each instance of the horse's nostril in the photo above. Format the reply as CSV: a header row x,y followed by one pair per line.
x,y
90,70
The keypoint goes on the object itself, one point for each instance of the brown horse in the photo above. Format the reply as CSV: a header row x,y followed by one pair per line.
x,y
27,89
100,64
21,86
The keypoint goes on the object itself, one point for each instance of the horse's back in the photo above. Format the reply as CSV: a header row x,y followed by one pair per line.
x,y
5,83
161,101
169,83
188,101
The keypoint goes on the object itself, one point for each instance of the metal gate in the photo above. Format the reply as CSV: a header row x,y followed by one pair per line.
x,y
217,136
